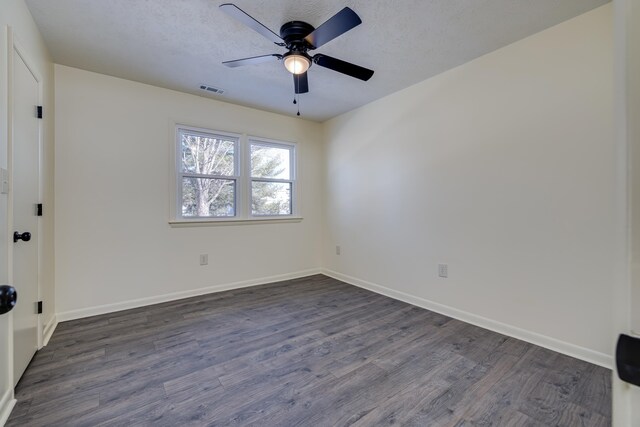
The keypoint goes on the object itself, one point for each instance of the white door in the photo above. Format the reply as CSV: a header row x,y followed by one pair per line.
x,y
626,397
25,188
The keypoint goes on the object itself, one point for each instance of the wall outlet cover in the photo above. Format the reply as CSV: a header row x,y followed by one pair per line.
x,y
443,270
4,181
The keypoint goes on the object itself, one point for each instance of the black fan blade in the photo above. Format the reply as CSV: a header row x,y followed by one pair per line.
x,y
343,67
253,60
235,12
301,83
335,26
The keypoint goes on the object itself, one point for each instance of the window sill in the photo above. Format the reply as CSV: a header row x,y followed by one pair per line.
x,y
217,222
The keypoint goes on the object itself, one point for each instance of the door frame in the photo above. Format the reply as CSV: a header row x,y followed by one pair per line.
x,y
626,286
14,46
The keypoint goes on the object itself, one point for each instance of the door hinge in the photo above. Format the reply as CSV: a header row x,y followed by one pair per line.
x,y
39,209
39,109
39,307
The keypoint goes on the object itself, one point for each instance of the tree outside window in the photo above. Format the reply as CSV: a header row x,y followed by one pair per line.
x,y
208,164
210,177
271,183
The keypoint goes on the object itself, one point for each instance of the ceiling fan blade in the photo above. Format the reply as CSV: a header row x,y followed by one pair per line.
x,y
301,83
235,12
253,60
335,26
343,67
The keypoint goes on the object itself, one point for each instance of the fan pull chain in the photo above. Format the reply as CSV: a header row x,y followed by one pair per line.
x,y
296,103
296,96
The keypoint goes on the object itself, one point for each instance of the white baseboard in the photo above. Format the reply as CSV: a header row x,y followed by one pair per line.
x,y
126,305
572,350
7,402
48,330
554,344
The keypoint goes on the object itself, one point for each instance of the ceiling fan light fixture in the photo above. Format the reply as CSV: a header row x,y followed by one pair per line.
x,y
296,63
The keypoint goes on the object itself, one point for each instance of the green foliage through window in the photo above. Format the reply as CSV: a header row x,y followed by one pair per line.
x,y
270,171
211,176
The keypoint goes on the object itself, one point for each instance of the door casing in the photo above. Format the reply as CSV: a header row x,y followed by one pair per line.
x,y
16,48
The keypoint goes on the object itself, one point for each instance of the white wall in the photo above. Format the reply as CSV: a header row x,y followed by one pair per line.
x,y
116,247
14,14
504,169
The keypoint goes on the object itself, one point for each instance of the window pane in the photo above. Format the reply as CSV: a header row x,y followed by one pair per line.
x,y
205,197
270,162
270,198
204,155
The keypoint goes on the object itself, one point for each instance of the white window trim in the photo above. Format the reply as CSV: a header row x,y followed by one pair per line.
x,y
180,175
242,178
293,173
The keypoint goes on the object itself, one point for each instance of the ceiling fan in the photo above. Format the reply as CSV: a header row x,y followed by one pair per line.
x,y
298,38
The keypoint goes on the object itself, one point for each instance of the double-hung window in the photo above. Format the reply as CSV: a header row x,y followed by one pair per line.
x,y
222,176
272,171
208,175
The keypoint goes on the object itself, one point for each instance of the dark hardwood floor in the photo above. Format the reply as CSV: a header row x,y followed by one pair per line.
x,y
308,352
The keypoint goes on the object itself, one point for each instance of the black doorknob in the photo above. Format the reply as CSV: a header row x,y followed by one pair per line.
x,y
8,298
628,359
26,236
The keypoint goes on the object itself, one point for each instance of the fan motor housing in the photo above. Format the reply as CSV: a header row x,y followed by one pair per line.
x,y
293,34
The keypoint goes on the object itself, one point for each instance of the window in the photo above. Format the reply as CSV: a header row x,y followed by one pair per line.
x,y
208,176
271,178
222,176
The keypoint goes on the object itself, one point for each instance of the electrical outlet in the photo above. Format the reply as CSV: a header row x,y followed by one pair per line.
x,y
337,250
443,270
204,259
4,181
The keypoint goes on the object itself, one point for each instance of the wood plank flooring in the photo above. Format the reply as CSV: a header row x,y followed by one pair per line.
x,y
305,352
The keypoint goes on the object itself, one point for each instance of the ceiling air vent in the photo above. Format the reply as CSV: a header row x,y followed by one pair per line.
x,y
212,89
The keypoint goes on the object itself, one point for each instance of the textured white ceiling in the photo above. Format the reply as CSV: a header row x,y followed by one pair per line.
x,y
180,44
